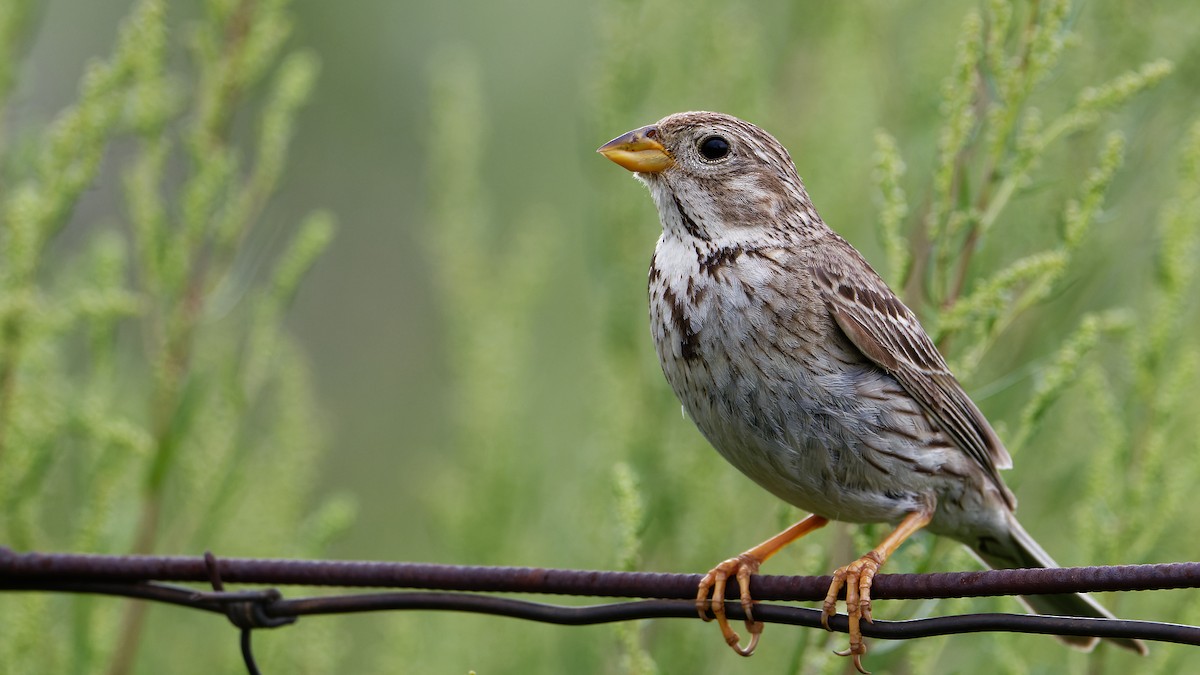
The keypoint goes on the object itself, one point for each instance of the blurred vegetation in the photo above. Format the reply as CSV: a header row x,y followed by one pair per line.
x,y
1027,172
149,395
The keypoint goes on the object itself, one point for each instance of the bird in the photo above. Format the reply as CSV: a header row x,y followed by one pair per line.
x,y
805,371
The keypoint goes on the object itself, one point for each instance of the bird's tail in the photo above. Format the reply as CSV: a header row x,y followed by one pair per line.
x,y
1021,551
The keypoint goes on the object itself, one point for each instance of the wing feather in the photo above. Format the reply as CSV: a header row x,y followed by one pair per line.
x,y
888,333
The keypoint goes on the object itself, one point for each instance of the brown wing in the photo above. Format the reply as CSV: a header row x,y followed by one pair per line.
x,y
889,334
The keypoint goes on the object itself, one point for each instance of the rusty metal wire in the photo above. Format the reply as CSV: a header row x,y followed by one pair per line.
x,y
83,567
145,577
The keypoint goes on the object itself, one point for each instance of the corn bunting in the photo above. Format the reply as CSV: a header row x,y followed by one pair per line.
x,y
807,373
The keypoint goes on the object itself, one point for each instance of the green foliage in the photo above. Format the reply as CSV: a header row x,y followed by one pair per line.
x,y
889,170
149,394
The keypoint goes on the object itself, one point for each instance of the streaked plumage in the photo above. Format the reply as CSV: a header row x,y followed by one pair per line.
x,y
800,365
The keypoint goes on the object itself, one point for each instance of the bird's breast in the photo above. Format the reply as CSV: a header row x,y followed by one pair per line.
x,y
735,336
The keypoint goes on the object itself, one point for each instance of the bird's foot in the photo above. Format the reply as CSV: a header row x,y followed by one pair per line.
x,y
740,568
856,578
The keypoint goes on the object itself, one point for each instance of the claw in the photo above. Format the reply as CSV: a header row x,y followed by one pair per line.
x,y
734,640
849,651
741,567
856,578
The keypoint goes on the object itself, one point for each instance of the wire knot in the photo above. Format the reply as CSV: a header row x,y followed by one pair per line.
x,y
245,609
247,613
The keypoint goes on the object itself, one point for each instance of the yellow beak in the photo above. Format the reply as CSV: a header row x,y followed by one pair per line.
x,y
638,151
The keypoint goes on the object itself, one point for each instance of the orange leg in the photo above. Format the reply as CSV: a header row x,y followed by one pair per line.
x,y
741,567
857,578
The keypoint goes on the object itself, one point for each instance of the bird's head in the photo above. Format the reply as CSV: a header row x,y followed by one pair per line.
x,y
714,176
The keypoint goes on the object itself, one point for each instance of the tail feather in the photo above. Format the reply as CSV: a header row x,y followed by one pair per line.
x,y
1021,551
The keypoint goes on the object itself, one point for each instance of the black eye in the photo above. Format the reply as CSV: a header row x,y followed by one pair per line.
x,y
714,147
